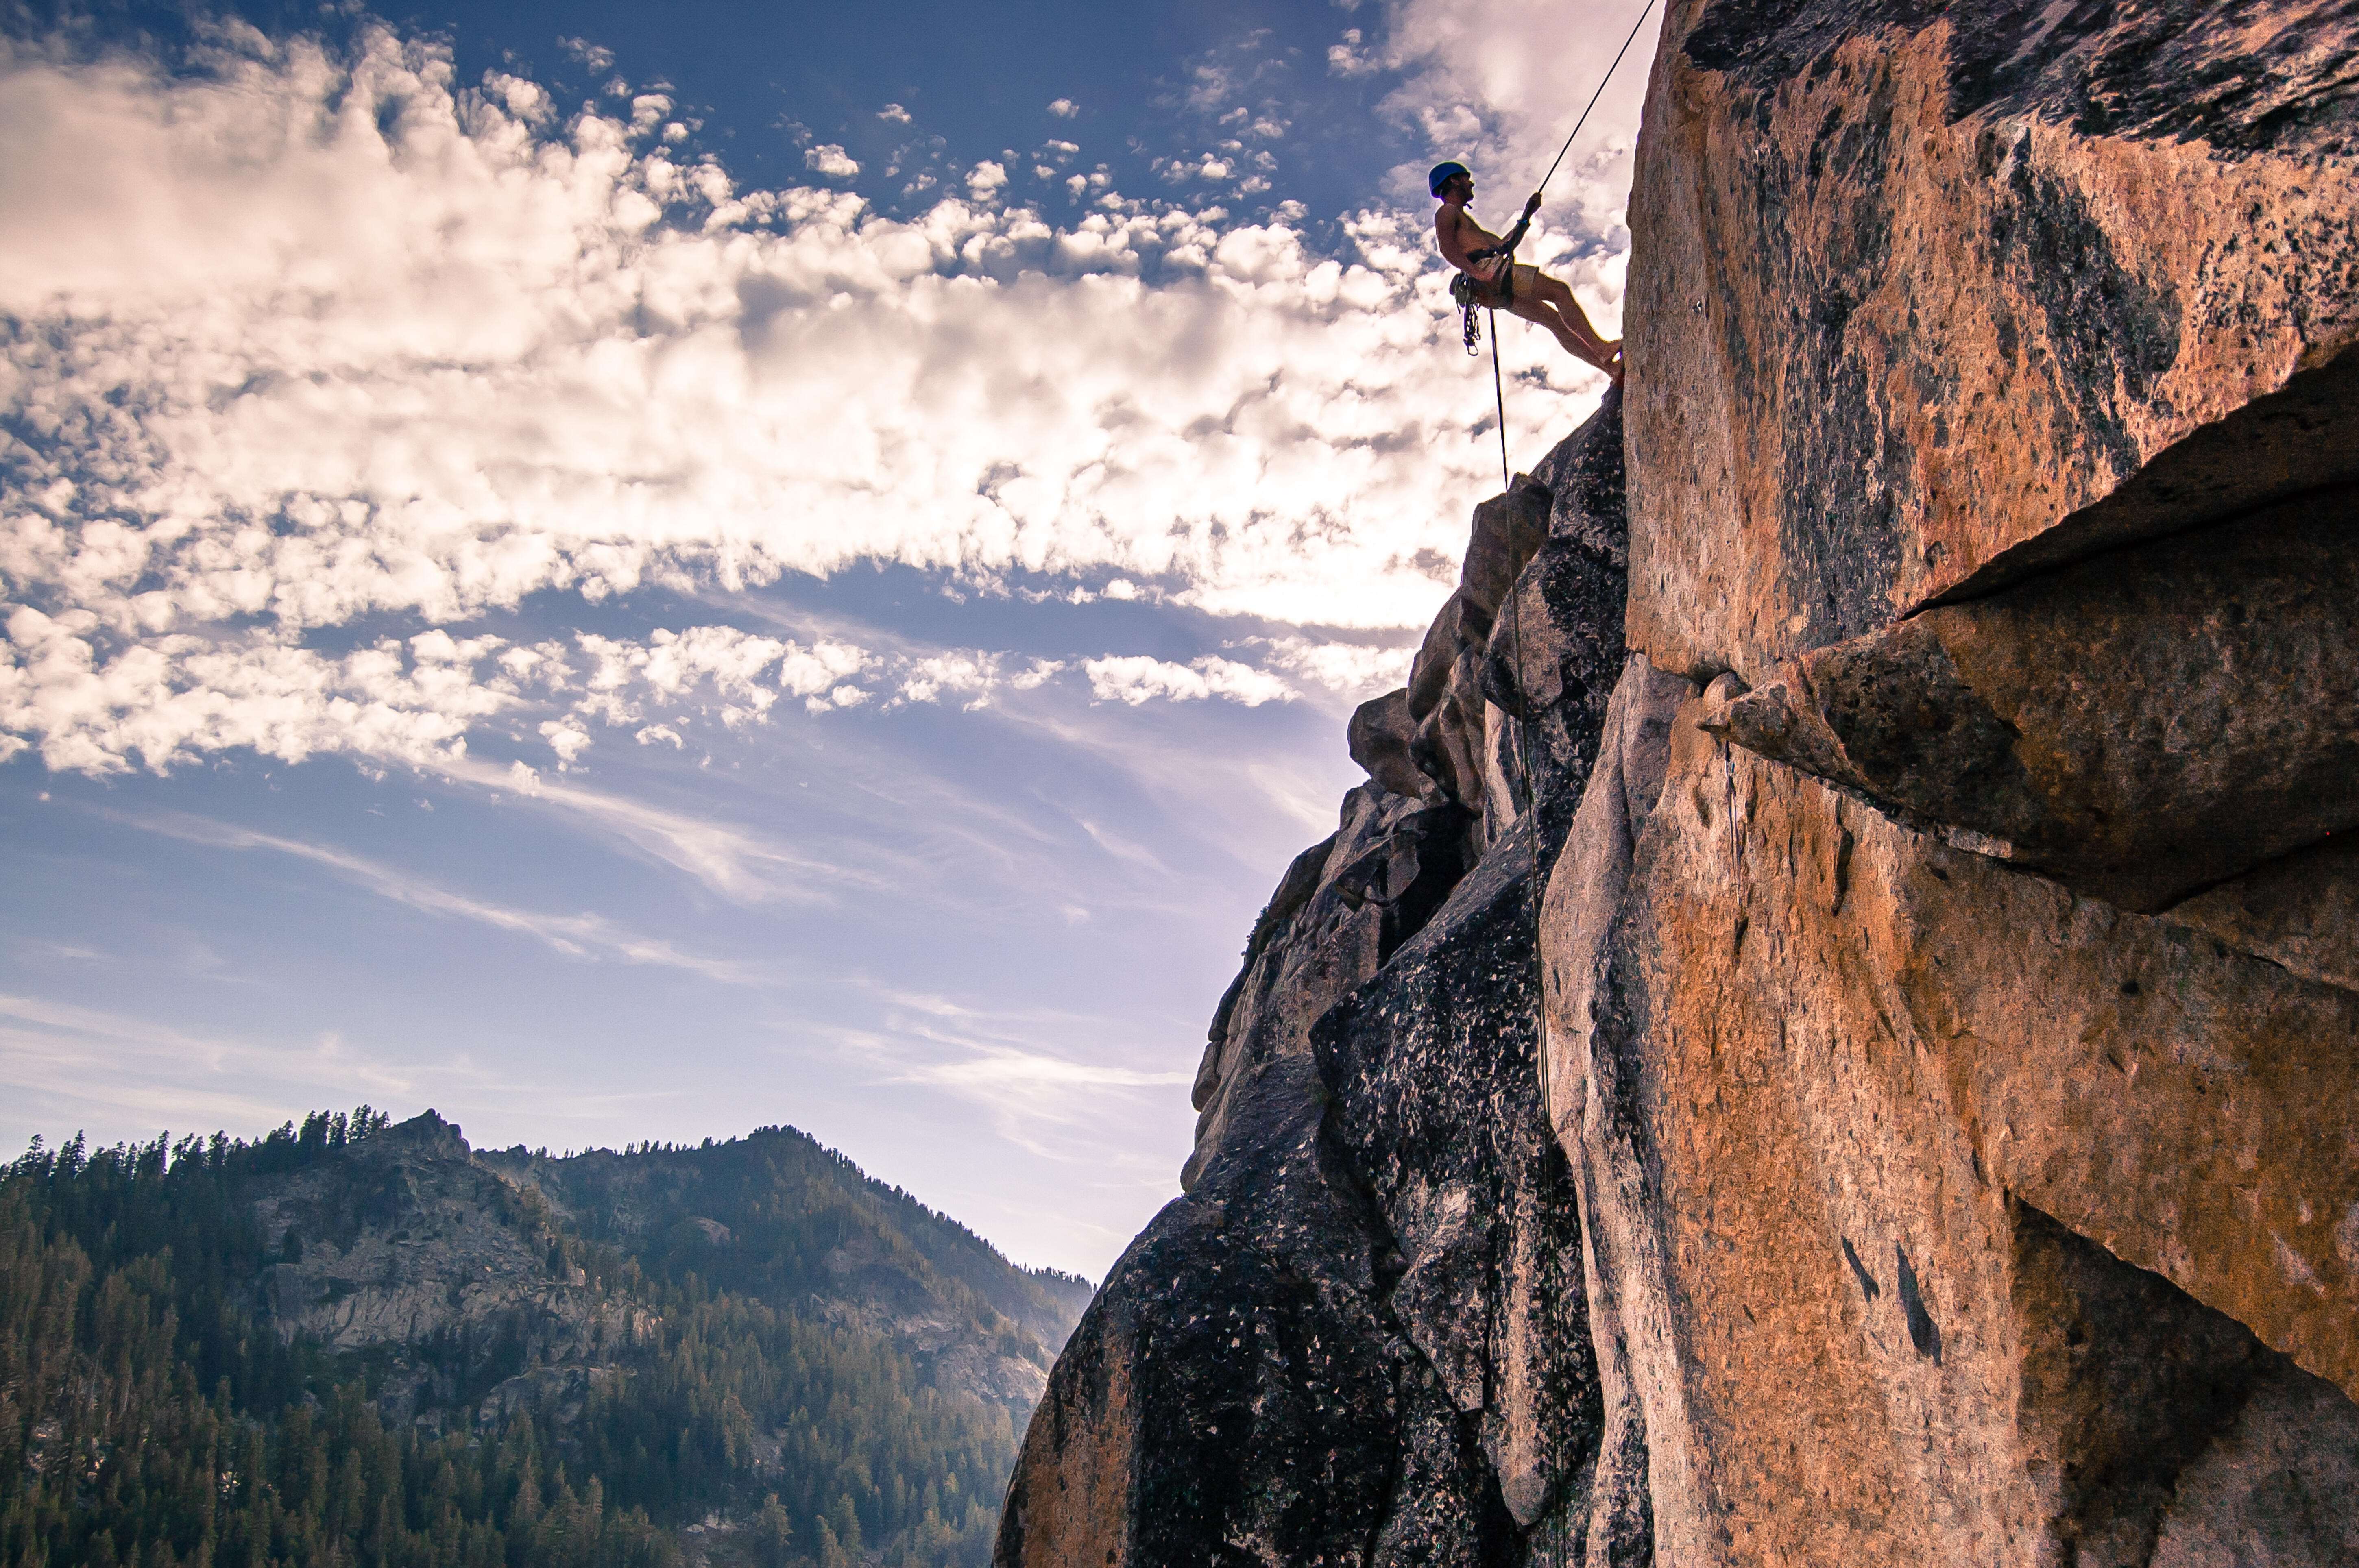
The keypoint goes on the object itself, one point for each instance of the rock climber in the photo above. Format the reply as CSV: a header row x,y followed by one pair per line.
x,y
1500,282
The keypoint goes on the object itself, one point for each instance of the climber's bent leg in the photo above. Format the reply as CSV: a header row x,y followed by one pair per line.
x,y
1606,355
1545,302
1542,314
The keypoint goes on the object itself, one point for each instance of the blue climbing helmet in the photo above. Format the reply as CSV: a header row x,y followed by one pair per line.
x,y
1443,173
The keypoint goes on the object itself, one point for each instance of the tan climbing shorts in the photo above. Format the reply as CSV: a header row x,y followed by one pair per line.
x,y
1523,280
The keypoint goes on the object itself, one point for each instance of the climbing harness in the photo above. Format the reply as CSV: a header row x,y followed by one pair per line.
x,y
1469,293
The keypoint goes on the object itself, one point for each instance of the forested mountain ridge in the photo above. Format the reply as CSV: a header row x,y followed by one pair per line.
x,y
778,1216
354,1342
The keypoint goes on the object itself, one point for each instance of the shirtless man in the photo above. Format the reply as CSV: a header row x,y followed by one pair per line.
x,y
1524,290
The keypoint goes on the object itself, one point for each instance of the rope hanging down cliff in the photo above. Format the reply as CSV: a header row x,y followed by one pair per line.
x,y
1528,809
1470,299
1448,176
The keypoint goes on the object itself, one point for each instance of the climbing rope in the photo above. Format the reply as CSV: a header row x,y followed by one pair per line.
x,y
1463,288
1499,392
1550,1554
1526,783
1644,11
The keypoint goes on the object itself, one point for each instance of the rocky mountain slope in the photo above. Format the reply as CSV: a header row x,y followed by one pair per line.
x,y
415,1239
741,1354
1832,1033
778,1217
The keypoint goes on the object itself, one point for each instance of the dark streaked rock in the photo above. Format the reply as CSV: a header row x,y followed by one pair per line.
x,y
1359,1337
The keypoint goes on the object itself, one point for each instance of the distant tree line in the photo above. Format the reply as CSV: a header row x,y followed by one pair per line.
x,y
150,1417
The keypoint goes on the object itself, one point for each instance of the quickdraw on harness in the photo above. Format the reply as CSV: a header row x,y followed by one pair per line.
x,y
1469,309
1468,294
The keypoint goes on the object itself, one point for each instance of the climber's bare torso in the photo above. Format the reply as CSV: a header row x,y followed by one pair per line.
x,y
1459,235
1526,292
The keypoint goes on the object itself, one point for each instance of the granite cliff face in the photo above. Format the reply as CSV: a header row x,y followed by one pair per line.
x,y
1832,1033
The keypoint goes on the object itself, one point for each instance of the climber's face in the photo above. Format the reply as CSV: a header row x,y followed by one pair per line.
x,y
1461,186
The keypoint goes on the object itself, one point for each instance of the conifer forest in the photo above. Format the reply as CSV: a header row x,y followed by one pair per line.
x,y
677,1390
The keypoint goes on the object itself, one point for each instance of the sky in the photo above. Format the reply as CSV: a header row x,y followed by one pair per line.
x,y
634,573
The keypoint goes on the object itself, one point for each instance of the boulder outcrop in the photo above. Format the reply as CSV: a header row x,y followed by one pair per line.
x,y
1958,1043
1906,767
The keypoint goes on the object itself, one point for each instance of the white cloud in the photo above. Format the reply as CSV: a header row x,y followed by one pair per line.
x,y
1500,86
805,671
893,115
1351,670
832,160
1040,671
958,673
1025,1076
170,700
736,863
986,178
565,738
1348,59
1064,108
1136,678
625,675
648,109
596,61
1030,1094
970,672
282,358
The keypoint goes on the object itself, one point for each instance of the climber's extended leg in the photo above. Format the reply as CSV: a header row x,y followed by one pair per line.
x,y
1545,301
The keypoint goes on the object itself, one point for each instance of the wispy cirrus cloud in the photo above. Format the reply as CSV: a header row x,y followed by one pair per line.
x,y
1037,1097
587,935
159,1076
739,863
